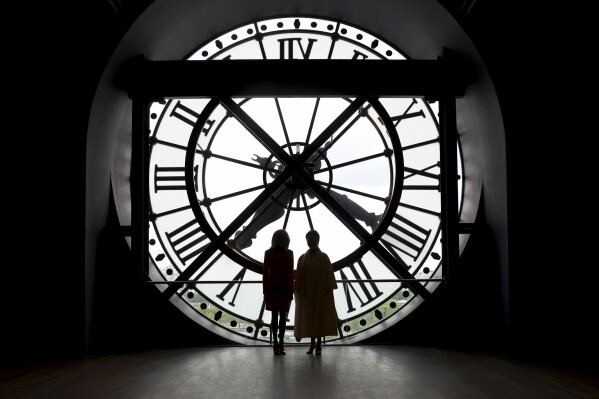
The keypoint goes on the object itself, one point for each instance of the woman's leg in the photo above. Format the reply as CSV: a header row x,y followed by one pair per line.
x,y
311,346
282,325
318,346
274,330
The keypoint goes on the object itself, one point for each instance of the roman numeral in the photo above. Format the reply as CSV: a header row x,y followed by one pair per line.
x,y
172,178
236,281
407,114
286,47
365,292
422,172
405,236
359,56
189,116
187,241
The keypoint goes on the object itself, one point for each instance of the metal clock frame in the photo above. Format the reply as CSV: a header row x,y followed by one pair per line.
x,y
441,80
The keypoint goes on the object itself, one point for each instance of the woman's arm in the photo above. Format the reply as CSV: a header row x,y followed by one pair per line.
x,y
290,274
332,284
299,284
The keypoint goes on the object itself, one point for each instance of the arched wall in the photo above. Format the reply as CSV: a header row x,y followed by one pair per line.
x,y
169,29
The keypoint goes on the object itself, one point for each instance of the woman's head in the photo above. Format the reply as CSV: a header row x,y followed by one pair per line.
x,y
312,238
280,239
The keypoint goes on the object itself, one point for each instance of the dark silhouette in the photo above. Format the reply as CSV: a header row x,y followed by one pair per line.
x,y
315,313
277,286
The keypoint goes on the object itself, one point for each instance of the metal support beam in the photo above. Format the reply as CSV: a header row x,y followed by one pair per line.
x,y
271,78
449,180
139,184
145,81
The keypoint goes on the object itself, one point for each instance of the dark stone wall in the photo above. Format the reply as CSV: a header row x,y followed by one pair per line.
x,y
551,312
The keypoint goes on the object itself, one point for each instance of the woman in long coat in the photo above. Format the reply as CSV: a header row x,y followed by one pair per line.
x,y
277,286
315,313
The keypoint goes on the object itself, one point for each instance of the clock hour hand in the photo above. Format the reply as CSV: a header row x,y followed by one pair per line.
x,y
269,212
272,211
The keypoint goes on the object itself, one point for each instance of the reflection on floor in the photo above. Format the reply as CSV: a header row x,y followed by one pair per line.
x,y
368,371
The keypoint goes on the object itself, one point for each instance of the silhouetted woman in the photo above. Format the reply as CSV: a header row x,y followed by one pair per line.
x,y
277,286
315,314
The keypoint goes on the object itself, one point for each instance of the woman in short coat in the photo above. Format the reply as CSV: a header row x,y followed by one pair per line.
x,y
277,286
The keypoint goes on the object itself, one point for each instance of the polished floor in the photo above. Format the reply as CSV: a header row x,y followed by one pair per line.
x,y
369,371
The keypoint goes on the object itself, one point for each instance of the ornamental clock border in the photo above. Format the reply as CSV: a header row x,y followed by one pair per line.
x,y
359,288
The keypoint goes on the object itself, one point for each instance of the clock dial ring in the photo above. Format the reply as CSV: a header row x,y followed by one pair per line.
x,y
218,242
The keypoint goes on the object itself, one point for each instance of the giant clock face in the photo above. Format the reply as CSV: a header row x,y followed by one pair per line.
x,y
225,173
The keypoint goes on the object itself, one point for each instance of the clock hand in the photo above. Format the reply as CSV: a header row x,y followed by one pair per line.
x,y
356,210
269,212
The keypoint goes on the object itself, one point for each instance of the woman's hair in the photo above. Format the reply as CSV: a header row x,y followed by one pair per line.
x,y
280,239
313,233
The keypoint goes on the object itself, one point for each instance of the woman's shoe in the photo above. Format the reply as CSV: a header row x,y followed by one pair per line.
x,y
281,350
311,350
318,350
276,349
